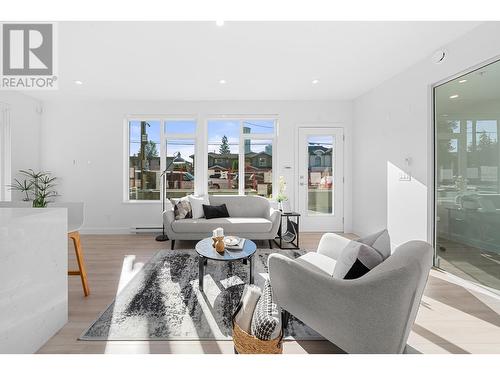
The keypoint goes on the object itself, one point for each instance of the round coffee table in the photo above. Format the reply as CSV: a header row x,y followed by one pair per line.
x,y
206,251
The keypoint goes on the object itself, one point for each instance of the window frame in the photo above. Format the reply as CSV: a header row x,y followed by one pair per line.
x,y
200,137
163,149
432,142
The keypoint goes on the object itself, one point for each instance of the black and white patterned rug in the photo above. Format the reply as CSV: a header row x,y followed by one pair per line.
x,y
163,302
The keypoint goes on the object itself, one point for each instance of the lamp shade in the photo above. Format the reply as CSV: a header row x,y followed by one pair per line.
x,y
178,159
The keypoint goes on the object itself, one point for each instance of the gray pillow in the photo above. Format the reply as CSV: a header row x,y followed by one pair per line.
x,y
355,260
380,241
243,318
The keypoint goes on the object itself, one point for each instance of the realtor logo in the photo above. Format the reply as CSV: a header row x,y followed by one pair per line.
x,y
28,56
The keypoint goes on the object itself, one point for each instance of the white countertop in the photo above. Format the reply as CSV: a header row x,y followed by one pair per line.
x,y
33,277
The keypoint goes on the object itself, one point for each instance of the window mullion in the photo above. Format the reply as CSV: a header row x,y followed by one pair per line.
x,y
241,162
163,154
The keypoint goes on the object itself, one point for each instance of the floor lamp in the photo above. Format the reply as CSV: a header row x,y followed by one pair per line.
x,y
176,160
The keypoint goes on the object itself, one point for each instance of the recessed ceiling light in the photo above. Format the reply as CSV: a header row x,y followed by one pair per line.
x,y
444,115
222,81
219,23
454,96
315,81
77,82
462,81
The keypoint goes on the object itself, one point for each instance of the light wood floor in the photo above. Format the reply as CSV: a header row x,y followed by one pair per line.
x,y
454,317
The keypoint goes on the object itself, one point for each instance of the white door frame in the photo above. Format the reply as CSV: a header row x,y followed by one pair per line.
x,y
322,222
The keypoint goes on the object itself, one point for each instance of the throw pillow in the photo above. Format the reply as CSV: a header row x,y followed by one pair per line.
x,y
355,260
182,208
266,322
249,300
212,212
380,241
197,205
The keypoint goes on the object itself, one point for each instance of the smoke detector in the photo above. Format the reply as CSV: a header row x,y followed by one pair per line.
x,y
438,56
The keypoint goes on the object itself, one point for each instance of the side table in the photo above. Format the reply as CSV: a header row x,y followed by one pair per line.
x,y
290,224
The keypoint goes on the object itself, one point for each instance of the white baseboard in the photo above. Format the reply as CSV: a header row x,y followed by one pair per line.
x,y
107,230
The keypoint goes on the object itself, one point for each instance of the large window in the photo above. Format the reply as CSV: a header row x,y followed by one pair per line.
x,y
223,156
233,143
155,145
144,160
180,149
259,167
238,157
467,118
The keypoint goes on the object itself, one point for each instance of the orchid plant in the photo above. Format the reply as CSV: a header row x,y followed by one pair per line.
x,y
281,196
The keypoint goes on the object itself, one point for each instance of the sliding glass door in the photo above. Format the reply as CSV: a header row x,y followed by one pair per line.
x,y
467,189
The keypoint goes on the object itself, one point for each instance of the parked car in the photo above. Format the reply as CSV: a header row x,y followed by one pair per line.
x,y
225,181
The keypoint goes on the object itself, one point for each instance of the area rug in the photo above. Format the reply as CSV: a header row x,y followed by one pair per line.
x,y
163,302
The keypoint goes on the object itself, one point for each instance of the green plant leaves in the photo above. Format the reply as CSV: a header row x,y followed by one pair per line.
x,y
38,186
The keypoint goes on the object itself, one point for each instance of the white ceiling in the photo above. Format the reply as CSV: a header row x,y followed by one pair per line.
x,y
259,60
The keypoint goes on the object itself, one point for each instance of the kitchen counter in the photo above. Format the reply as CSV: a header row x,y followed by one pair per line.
x,y
33,277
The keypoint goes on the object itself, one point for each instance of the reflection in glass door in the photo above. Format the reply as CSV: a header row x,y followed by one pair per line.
x,y
321,178
467,206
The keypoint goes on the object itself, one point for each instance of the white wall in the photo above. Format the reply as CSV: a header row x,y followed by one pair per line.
x,y
392,122
25,124
82,142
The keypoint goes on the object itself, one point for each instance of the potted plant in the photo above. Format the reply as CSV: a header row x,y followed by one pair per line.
x,y
37,187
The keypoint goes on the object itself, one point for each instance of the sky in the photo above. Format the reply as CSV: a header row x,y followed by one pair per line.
x,y
219,128
216,130
320,140
231,129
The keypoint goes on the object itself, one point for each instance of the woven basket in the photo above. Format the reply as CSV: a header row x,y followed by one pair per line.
x,y
244,343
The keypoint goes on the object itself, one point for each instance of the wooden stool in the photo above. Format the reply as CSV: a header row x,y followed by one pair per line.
x,y
75,223
75,236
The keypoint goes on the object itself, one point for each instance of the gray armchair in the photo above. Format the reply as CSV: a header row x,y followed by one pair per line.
x,y
371,314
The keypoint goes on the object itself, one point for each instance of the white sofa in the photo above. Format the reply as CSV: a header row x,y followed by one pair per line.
x,y
371,314
251,217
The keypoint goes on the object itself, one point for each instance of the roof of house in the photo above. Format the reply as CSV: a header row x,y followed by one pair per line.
x,y
314,148
218,167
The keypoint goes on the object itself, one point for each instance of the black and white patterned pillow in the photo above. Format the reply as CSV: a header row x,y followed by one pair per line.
x,y
182,208
266,321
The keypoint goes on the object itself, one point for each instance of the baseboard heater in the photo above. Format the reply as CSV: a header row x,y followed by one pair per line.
x,y
145,229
